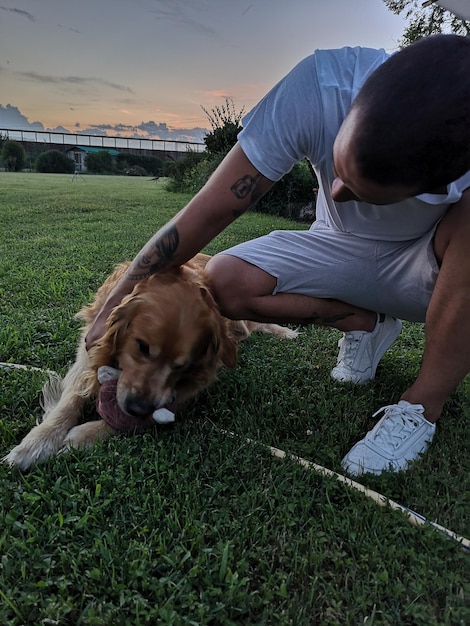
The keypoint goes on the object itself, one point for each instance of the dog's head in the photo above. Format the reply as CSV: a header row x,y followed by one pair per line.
x,y
168,339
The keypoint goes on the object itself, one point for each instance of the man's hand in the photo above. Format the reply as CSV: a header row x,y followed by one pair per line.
x,y
97,329
98,326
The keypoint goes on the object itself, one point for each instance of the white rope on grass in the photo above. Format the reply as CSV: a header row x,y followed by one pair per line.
x,y
414,518
31,368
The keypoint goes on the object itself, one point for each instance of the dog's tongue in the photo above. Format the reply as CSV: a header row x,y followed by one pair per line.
x,y
110,412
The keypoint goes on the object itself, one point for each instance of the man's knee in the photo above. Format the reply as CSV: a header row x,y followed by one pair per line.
x,y
454,225
236,284
220,273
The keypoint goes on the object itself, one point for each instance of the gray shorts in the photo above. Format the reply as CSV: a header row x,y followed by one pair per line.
x,y
396,278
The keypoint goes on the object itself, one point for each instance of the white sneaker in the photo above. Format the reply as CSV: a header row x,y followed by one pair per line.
x,y
360,351
398,438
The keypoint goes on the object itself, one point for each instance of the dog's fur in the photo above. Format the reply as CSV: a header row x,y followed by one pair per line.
x,y
167,338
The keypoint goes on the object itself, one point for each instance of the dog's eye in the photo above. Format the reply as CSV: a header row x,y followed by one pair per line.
x,y
143,346
177,367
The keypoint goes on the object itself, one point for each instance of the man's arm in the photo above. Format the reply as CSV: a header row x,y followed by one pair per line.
x,y
229,192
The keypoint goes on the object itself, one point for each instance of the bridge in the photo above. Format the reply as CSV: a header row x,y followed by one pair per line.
x,y
134,145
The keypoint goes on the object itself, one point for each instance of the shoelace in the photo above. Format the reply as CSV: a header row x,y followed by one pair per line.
x,y
395,433
349,346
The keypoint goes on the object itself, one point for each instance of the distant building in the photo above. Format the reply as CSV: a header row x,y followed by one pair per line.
x,y
78,154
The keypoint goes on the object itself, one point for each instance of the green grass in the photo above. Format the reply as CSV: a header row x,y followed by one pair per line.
x,y
186,525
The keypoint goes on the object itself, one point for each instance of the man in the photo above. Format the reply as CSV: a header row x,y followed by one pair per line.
x,y
389,138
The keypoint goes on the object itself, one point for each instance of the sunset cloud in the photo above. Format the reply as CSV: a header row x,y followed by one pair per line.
x,y
178,12
73,80
25,14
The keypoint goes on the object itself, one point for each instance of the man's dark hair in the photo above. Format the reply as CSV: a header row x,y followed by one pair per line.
x,y
414,116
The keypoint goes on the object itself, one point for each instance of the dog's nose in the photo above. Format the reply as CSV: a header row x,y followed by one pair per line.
x,y
139,407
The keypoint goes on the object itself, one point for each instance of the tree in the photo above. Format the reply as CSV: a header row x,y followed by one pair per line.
x,y
13,155
54,162
426,18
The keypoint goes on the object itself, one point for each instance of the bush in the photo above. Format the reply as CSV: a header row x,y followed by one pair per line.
x,y
13,155
221,140
54,162
152,165
181,172
100,163
202,171
225,124
291,193
135,170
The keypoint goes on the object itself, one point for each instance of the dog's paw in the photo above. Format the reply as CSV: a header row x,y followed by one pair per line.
x,y
18,458
85,435
289,333
282,331
42,442
29,453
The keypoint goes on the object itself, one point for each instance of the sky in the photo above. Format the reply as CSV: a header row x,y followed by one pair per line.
x,y
148,67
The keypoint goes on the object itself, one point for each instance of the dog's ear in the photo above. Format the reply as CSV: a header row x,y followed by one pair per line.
x,y
222,342
227,349
218,348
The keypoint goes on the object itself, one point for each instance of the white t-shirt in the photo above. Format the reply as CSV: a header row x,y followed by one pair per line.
x,y
300,117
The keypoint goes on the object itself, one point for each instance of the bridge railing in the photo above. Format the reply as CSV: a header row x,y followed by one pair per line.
x,y
101,141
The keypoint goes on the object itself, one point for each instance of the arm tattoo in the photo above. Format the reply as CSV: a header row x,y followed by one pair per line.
x,y
164,246
326,321
247,185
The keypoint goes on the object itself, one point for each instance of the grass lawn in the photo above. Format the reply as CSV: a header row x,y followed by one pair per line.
x,y
185,525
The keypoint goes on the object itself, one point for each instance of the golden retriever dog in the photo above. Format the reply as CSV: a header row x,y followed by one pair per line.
x,y
168,340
